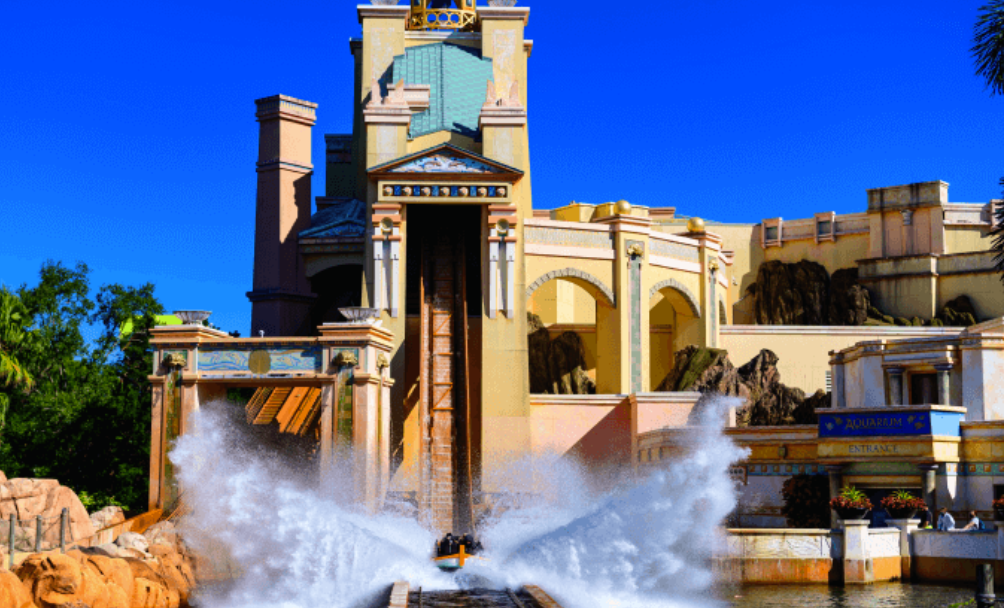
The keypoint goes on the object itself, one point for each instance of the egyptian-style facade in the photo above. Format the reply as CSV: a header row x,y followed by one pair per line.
x,y
428,219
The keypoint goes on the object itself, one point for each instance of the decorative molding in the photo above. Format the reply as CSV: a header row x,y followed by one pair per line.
x,y
572,273
675,250
174,359
565,237
444,163
346,358
688,295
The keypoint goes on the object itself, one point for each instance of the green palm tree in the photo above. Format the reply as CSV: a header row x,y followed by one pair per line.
x,y
988,52
14,336
988,47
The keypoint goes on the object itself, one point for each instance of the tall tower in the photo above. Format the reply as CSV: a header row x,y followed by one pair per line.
x,y
281,294
442,160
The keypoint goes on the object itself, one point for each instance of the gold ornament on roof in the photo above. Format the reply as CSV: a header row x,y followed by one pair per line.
x,y
696,225
623,207
459,15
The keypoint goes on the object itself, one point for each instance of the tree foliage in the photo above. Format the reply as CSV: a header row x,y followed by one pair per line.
x,y
988,45
86,420
997,246
15,338
806,501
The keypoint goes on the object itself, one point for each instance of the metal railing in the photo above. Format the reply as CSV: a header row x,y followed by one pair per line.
x,y
37,534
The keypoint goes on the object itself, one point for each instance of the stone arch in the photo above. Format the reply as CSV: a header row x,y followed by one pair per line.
x,y
692,301
595,286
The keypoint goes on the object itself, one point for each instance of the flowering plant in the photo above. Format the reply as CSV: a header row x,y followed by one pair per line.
x,y
851,498
901,500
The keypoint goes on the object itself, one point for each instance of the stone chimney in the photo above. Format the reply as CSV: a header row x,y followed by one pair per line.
x,y
281,295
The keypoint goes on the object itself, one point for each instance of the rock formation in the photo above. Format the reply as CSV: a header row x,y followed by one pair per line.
x,y
803,293
758,382
137,571
849,300
557,367
958,313
791,294
28,498
107,517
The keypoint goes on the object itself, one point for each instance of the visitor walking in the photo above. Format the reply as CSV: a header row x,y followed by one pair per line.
x,y
946,522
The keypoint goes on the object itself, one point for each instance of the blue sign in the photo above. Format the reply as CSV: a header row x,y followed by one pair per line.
x,y
892,423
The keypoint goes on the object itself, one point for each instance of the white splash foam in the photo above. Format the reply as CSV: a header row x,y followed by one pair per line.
x,y
645,543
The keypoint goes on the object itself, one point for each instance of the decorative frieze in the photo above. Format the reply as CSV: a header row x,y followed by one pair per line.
x,y
568,238
676,251
433,191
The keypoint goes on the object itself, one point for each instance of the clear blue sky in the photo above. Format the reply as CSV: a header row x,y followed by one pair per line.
x,y
128,138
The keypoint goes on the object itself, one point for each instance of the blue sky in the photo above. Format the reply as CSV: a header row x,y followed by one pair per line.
x,y
128,138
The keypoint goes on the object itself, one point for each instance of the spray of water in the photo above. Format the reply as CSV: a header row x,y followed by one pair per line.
x,y
640,542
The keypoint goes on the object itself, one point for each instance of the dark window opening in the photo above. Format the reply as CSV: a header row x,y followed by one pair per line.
x,y
336,288
923,389
429,221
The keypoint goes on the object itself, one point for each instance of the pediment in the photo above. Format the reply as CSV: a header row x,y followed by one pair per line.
x,y
446,161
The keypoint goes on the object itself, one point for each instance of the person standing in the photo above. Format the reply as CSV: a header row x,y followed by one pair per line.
x,y
946,523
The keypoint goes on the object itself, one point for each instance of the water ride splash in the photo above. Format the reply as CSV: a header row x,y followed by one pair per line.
x,y
637,542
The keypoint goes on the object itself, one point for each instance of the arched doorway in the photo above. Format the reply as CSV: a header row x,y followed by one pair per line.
x,y
674,323
568,308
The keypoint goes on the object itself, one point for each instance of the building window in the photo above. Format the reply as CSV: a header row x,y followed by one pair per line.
x,y
829,381
923,389
770,233
824,228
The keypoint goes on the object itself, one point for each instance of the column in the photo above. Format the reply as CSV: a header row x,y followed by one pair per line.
x,y
895,385
857,566
836,481
929,481
906,528
944,386
839,395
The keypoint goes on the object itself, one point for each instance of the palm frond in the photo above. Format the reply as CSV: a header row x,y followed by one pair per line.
x,y
997,246
988,45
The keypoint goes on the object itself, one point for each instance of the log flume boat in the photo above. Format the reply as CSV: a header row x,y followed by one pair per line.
x,y
453,553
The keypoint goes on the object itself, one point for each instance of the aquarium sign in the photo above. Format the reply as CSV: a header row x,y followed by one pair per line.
x,y
877,424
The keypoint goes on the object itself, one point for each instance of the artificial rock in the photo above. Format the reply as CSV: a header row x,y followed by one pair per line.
x,y
28,498
768,402
803,293
107,517
557,367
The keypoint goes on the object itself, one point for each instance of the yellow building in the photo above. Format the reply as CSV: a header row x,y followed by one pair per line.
x,y
428,221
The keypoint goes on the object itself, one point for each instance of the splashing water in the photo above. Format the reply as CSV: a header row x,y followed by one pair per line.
x,y
638,542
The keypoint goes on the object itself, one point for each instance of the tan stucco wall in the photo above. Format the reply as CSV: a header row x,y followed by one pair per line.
x,y
832,255
961,239
984,290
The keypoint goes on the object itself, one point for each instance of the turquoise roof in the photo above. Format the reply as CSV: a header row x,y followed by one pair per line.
x,y
458,80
